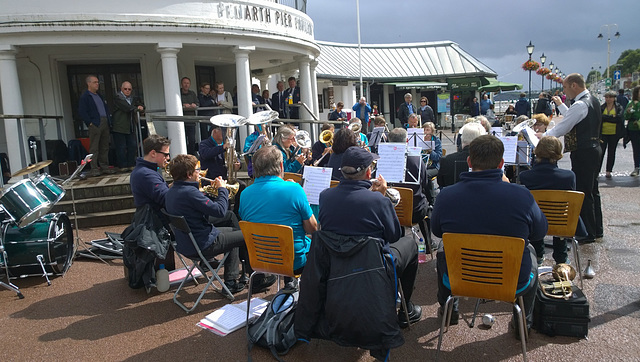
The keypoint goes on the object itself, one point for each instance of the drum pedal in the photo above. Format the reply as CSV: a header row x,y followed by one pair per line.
x,y
44,272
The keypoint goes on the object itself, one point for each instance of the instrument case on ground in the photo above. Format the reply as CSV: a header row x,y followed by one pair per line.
x,y
560,317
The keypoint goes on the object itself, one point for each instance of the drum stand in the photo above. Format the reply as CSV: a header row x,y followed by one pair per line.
x,y
8,284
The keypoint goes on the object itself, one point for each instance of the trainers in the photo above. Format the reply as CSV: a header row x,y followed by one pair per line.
x,y
635,172
234,286
262,284
415,312
454,316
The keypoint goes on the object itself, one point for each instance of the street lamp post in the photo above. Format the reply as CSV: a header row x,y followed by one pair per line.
x,y
551,80
617,35
530,48
542,60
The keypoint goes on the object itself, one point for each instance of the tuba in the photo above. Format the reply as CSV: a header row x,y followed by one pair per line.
x,y
302,140
232,123
326,137
560,288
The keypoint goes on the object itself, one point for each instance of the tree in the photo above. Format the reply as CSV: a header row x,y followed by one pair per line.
x,y
630,61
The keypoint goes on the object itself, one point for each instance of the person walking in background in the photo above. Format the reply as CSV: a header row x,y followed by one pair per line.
x,y
621,99
485,104
523,107
632,115
612,129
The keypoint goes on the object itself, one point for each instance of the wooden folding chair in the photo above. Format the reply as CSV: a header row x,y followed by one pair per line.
x,y
404,211
293,176
179,224
270,249
484,267
562,210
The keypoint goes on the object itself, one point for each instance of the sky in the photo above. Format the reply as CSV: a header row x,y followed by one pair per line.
x,y
495,32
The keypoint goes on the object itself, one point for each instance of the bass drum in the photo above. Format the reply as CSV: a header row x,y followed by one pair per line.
x,y
51,237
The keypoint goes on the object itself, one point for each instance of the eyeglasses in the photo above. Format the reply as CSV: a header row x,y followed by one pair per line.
x,y
126,89
166,154
423,101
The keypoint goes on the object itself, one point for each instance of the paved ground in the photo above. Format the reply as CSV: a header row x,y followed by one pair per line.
x,y
91,313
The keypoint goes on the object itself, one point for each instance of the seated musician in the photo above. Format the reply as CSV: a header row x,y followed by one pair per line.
x,y
185,199
363,141
148,186
545,175
271,200
319,149
463,208
542,122
452,165
421,192
435,154
248,142
379,122
213,159
375,217
413,121
285,141
342,140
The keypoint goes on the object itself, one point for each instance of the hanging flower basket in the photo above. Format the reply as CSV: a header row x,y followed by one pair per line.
x,y
559,79
551,76
530,65
543,71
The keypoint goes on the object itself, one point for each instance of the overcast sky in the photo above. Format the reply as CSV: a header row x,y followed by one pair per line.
x,y
495,32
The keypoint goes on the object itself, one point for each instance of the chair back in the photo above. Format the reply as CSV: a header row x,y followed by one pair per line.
x,y
562,210
334,183
270,247
294,176
483,266
404,209
177,222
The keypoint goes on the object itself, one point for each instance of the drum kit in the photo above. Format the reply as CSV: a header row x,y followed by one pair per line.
x,y
34,242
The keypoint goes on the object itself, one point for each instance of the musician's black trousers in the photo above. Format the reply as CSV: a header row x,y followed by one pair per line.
x,y
585,163
405,255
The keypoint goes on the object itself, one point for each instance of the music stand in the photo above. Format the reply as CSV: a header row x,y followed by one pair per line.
x,y
78,239
377,136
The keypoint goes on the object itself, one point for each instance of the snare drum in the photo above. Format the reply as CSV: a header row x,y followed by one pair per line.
x,y
51,237
50,189
24,203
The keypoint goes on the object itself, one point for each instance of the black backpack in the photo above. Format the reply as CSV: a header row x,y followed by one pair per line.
x,y
274,328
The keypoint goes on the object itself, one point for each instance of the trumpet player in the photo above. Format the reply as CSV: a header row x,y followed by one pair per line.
x,y
285,141
320,149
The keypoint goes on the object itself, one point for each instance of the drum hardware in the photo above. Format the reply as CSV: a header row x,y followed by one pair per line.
x,y
32,168
40,259
24,203
8,284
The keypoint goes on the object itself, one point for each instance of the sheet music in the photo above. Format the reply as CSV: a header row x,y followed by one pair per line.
x,y
530,136
496,131
256,144
391,164
414,151
510,148
376,136
522,157
316,180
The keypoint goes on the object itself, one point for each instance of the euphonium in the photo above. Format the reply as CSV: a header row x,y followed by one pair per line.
x,y
563,274
302,140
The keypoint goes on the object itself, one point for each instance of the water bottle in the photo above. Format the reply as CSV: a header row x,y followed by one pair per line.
x,y
422,251
162,279
290,100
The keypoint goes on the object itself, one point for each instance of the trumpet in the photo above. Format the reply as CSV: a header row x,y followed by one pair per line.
x,y
213,191
326,137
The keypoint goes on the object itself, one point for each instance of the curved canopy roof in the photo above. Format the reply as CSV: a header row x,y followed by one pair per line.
x,y
399,62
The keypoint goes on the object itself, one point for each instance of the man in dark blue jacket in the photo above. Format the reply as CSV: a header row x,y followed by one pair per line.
x,y
94,112
523,107
375,217
462,208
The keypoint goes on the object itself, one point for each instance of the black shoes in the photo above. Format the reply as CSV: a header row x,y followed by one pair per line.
x,y
234,286
262,282
415,312
454,315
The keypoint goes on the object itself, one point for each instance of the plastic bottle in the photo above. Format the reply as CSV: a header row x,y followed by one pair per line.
x,y
290,100
162,279
422,251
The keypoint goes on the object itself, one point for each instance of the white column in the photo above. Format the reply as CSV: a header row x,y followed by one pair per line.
x,y
314,87
11,105
243,80
173,104
387,106
264,83
305,90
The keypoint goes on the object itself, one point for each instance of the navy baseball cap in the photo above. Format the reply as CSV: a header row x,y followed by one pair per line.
x,y
358,158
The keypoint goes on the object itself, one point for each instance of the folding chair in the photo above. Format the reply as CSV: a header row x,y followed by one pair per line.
x,y
562,210
270,249
294,176
484,267
404,211
179,224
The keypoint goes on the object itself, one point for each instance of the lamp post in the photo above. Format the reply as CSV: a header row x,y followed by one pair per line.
x,y
551,81
530,48
617,35
543,59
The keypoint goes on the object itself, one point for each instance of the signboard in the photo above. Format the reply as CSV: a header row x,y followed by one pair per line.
x,y
616,74
607,82
444,104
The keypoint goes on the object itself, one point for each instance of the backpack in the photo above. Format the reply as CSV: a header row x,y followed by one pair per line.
x,y
274,328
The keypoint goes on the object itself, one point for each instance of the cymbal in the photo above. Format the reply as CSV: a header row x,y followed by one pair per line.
x,y
32,168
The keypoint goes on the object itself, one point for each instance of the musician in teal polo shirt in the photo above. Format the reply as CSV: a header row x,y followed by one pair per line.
x,y
271,200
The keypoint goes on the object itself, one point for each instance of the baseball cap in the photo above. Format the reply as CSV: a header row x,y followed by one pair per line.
x,y
358,158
